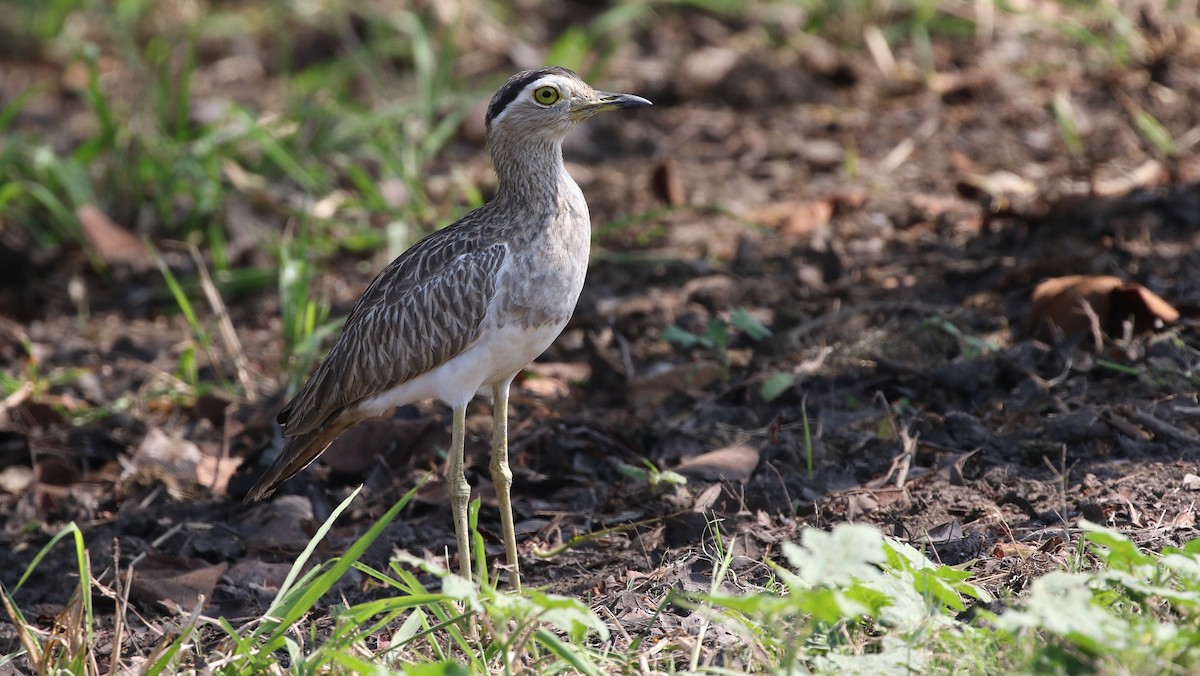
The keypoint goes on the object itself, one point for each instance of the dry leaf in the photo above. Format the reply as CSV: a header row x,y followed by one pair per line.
x,y
668,184
114,244
1149,174
733,463
1004,549
552,380
1077,304
281,524
160,579
14,479
361,446
651,390
1184,519
258,575
945,532
707,498
796,217
214,472
174,462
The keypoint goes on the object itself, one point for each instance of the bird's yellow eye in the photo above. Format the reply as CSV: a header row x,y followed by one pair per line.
x,y
547,96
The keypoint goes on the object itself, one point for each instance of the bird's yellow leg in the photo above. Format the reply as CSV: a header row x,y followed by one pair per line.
x,y
460,490
502,479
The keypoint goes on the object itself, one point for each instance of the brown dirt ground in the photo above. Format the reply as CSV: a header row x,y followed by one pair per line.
x,y
897,295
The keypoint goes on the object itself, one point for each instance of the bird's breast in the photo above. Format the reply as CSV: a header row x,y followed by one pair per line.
x,y
537,291
540,282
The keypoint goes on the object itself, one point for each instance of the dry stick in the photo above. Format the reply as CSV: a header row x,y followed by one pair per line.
x,y
794,334
1093,320
114,662
1162,428
1060,480
224,325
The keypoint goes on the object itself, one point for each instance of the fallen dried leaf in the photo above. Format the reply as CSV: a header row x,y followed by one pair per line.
x,y
281,524
15,479
1004,549
258,575
1184,519
52,471
361,446
160,579
651,390
215,472
1076,304
796,217
553,380
1149,174
172,461
114,244
733,463
950,530
668,184
707,498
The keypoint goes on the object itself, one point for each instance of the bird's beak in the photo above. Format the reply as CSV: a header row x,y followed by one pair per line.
x,y
609,101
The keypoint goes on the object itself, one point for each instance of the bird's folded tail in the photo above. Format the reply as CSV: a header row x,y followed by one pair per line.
x,y
298,452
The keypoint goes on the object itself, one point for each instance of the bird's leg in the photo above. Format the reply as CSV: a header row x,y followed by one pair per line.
x,y
460,490
502,479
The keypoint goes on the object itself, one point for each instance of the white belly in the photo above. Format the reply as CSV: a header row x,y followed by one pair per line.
x,y
499,357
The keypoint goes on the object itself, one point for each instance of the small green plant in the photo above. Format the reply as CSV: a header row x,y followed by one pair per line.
x,y
1155,133
1064,115
305,320
654,477
849,599
970,346
717,336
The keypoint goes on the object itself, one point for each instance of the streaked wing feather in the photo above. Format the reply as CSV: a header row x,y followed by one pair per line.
x,y
423,309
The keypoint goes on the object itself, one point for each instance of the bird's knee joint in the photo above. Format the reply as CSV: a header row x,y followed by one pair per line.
x,y
501,474
459,488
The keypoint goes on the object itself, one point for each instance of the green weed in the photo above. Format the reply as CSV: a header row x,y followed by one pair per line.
x,y
717,335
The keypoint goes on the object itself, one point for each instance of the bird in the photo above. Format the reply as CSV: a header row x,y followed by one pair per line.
x,y
468,306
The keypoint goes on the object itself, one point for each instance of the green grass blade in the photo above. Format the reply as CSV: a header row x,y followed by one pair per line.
x,y
295,605
69,529
306,554
567,653
177,292
14,107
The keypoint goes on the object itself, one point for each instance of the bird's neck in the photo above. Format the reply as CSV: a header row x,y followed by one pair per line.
x,y
529,172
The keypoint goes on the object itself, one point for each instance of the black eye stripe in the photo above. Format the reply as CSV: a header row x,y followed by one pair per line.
x,y
510,90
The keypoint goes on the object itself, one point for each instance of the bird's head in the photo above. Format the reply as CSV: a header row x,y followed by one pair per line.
x,y
548,102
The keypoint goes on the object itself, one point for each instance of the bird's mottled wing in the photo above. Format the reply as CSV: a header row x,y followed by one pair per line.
x,y
422,310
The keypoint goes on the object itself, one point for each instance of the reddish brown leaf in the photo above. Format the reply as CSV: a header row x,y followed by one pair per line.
x,y
796,217
1076,304
668,184
114,244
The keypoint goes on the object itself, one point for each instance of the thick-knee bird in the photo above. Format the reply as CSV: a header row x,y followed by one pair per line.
x,y
470,305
